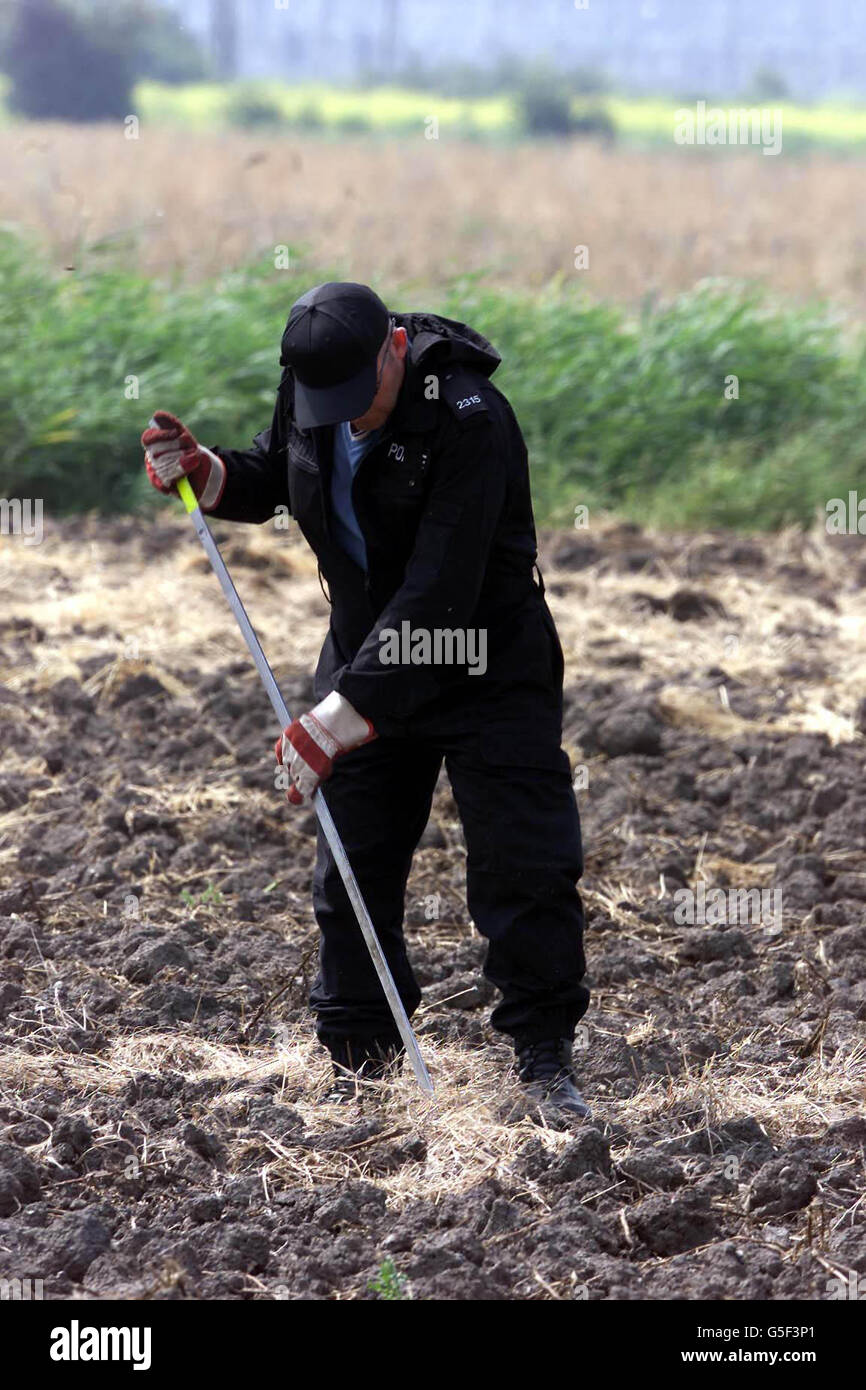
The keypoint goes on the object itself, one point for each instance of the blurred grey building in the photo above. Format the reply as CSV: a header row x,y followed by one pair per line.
x,y
691,47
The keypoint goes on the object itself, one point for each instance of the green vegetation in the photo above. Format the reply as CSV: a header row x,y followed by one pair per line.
x,y
546,107
631,412
389,1283
386,110
529,108
210,897
622,412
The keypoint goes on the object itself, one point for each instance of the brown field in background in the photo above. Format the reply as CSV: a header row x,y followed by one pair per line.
x,y
411,209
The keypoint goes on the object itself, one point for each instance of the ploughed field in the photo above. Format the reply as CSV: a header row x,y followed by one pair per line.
x,y
162,1133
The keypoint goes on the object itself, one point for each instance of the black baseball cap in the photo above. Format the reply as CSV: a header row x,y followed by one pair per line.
x,y
332,339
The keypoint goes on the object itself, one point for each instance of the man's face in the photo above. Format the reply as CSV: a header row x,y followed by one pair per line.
x,y
390,370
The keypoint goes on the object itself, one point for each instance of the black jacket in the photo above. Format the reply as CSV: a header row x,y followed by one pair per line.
x,y
443,503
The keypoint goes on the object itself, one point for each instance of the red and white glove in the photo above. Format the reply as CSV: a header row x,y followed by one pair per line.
x,y
309,746
172,452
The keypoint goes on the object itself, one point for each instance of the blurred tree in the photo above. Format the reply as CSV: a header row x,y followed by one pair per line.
x,y
590,82
506,73
161,48
77,61
64,68
224,36
544,103
768,85
248,107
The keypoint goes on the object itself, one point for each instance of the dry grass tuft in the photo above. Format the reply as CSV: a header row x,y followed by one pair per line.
x,y
473,1128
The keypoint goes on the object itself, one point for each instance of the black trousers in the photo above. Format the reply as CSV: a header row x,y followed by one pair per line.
x,y
522,833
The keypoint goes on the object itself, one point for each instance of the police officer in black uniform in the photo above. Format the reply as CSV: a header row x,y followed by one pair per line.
x,y
407,473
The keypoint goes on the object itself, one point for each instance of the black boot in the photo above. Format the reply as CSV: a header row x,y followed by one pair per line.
x,y
545,1068
359,1061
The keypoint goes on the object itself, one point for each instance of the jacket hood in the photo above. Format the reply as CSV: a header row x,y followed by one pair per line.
x,y
440,341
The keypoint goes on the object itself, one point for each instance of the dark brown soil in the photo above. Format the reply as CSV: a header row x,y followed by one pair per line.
x,y
161,1131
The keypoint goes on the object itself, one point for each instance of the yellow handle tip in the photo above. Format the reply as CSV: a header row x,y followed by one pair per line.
x,y
186,494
